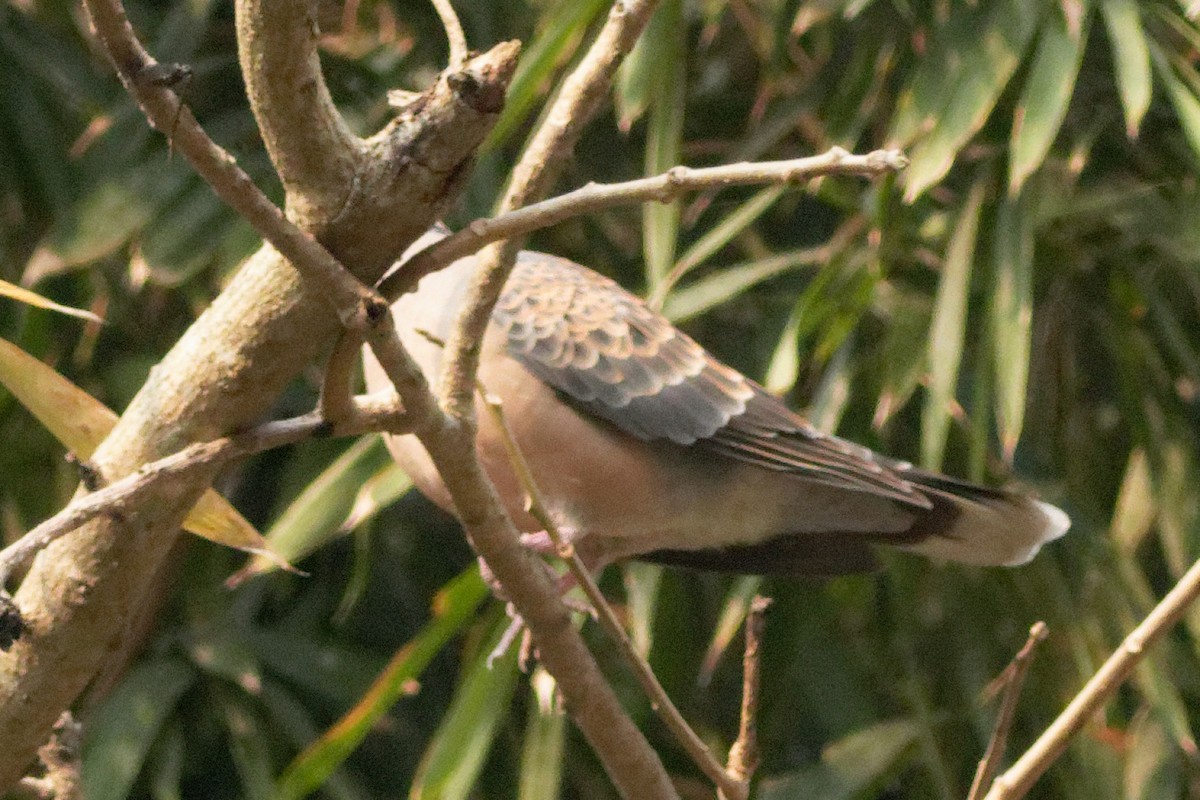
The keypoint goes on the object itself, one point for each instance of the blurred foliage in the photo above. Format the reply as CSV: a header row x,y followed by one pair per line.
x,y
1022,305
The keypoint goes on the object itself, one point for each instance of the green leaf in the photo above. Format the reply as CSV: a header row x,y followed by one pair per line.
x,y
1136,506
378,492
1012,319
733,613
128,723
319,514
851,767
1131,59
545,736
983,62
715,238
249,744
1047,91
947,330
551,48
722,286
664,134
453,609
1183,97
454,759
1152,764
642,585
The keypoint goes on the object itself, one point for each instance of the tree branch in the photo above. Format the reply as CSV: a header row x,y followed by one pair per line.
x,y
1011,681
310,144
596,197
226,370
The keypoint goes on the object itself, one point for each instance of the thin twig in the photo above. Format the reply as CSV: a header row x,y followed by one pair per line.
x,y
459,52
744,755
1009,682
730,787
659,188
1021,776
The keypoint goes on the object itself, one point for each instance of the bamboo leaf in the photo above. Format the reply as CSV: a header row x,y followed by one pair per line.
x,y
453,608
850,766
1012,319
664,134
715,238
985,61
722,286
545,737
1136,506
550,49
23,295
1131,60
80,423
1047,92
128,723
319,513
483,699
947,330
1182,96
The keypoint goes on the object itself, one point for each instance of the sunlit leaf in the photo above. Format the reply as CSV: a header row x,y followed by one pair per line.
x,y
1012,319
1133,515
984,60
123,729
549,49
1183,97
726,284
453,608
664,134
642,584
716,238
28,297
80,423
1152,765
1047,92
947,330
1131,59
319,513
733,613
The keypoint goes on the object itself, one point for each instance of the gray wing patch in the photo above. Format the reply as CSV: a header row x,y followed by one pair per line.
x,y
612,355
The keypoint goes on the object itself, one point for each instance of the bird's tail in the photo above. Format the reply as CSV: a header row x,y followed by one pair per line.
x,y
975,525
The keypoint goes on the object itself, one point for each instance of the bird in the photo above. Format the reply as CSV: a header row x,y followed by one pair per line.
x,y
645,446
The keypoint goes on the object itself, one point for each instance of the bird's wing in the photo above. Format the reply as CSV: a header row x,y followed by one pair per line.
x,y
610,354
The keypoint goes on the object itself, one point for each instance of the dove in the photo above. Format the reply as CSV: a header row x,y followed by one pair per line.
x,y
643,445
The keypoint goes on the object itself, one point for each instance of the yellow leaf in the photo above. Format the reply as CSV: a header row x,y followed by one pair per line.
x,y
23,295
81,422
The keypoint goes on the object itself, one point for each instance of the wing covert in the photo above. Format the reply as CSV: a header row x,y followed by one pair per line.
x,y
611,354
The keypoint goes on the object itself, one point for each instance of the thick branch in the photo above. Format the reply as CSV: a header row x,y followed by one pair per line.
x,y
310,145
227,370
